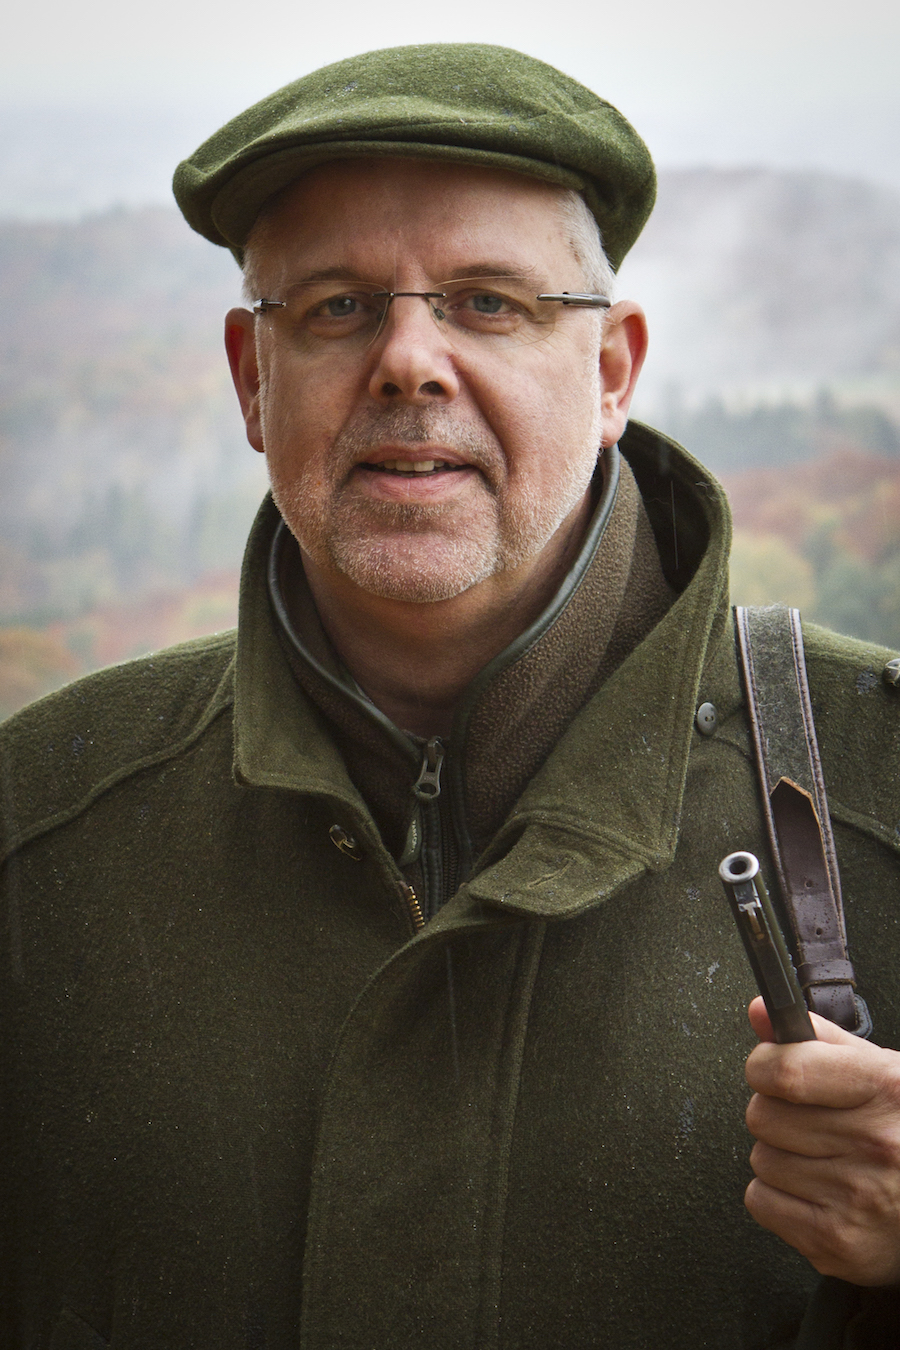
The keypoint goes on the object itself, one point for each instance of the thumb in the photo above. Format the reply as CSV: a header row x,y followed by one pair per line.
x,y
831,1032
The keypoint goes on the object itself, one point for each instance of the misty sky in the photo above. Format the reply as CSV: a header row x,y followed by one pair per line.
x,y
99,100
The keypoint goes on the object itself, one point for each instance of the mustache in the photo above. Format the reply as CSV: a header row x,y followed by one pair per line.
x,y
414,427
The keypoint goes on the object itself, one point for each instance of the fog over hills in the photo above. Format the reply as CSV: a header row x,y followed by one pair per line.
x,y
112,371
760,284
122,454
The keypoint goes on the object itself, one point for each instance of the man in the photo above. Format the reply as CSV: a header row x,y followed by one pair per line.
x,y
370,984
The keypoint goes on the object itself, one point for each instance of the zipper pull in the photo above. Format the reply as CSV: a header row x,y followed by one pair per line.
x,y
427,787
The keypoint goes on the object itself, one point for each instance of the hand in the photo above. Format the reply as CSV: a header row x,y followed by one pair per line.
x,y
826,1117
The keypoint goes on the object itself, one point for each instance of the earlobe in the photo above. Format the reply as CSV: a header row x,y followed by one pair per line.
x,y
240,345
622,354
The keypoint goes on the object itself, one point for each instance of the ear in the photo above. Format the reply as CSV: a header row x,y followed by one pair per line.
x,y
240,344
622,353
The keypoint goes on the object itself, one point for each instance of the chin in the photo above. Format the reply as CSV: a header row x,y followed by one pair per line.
x,y
417,572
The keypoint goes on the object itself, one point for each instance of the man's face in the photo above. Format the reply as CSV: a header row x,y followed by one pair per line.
x,y
413,465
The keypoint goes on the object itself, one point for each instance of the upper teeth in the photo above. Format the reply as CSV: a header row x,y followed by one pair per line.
x,y
413,466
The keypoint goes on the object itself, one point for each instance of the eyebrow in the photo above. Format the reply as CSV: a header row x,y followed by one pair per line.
x,y
500,270
332,274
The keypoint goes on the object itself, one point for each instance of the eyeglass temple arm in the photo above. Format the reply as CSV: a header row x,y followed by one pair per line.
x,y
588,299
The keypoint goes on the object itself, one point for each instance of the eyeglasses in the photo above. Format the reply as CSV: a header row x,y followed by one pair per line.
x,y
494,311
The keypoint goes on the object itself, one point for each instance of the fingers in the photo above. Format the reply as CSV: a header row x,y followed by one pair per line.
x,y
826,1116
854,1240
792,1218
813,1131
832,1100
811,1178
759,1020
837,1070
860,1140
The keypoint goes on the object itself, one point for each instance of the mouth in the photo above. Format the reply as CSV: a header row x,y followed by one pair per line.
x,y
413,468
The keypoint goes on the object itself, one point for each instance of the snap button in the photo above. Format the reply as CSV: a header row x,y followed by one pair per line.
x,y
707,719
891,672
345,842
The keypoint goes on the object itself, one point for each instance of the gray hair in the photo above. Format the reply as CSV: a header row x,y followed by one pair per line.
x,y
586,243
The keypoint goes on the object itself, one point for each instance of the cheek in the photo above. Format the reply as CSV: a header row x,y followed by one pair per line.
x,y
552,434
298,417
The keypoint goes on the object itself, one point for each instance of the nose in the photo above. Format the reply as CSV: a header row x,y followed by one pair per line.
x,y
413,360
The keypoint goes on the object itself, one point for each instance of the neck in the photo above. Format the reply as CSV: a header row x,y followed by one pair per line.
x,y
414,661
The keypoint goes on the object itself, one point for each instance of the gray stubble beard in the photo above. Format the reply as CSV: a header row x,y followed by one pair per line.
x,y
380,546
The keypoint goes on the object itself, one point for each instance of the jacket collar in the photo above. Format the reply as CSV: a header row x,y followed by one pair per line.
x,y
607,804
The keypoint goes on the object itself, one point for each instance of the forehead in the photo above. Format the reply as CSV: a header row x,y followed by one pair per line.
x,y
372,215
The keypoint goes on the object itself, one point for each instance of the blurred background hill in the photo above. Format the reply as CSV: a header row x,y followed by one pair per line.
x,y
128,488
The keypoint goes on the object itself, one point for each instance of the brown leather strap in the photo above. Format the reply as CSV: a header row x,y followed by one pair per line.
x,y
795,806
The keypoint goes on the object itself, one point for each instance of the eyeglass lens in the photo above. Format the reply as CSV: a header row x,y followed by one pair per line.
x,y
501,311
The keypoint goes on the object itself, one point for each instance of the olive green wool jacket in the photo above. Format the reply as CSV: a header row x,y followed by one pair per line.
x,y
247,1106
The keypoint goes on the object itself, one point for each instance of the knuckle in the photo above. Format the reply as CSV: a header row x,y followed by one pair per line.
x,y
788,1078
881,1149
777,1071
857,1196
876,1140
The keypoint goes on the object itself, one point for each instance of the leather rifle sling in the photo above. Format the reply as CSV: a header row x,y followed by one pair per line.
x,y
770,646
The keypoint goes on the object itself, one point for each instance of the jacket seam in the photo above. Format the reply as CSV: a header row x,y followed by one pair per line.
x,y
64,817
495,1232
862,821
864,824
623,844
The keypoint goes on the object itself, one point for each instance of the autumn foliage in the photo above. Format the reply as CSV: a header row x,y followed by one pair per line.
x,y
824,536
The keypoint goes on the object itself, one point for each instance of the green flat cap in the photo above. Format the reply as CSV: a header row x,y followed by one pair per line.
x,y
466,102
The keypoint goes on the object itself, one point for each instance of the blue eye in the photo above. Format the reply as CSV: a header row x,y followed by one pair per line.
x,y
487,304
340,306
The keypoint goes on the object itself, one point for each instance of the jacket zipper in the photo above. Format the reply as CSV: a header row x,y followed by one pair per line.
x,y
428,792
415,909
434,829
